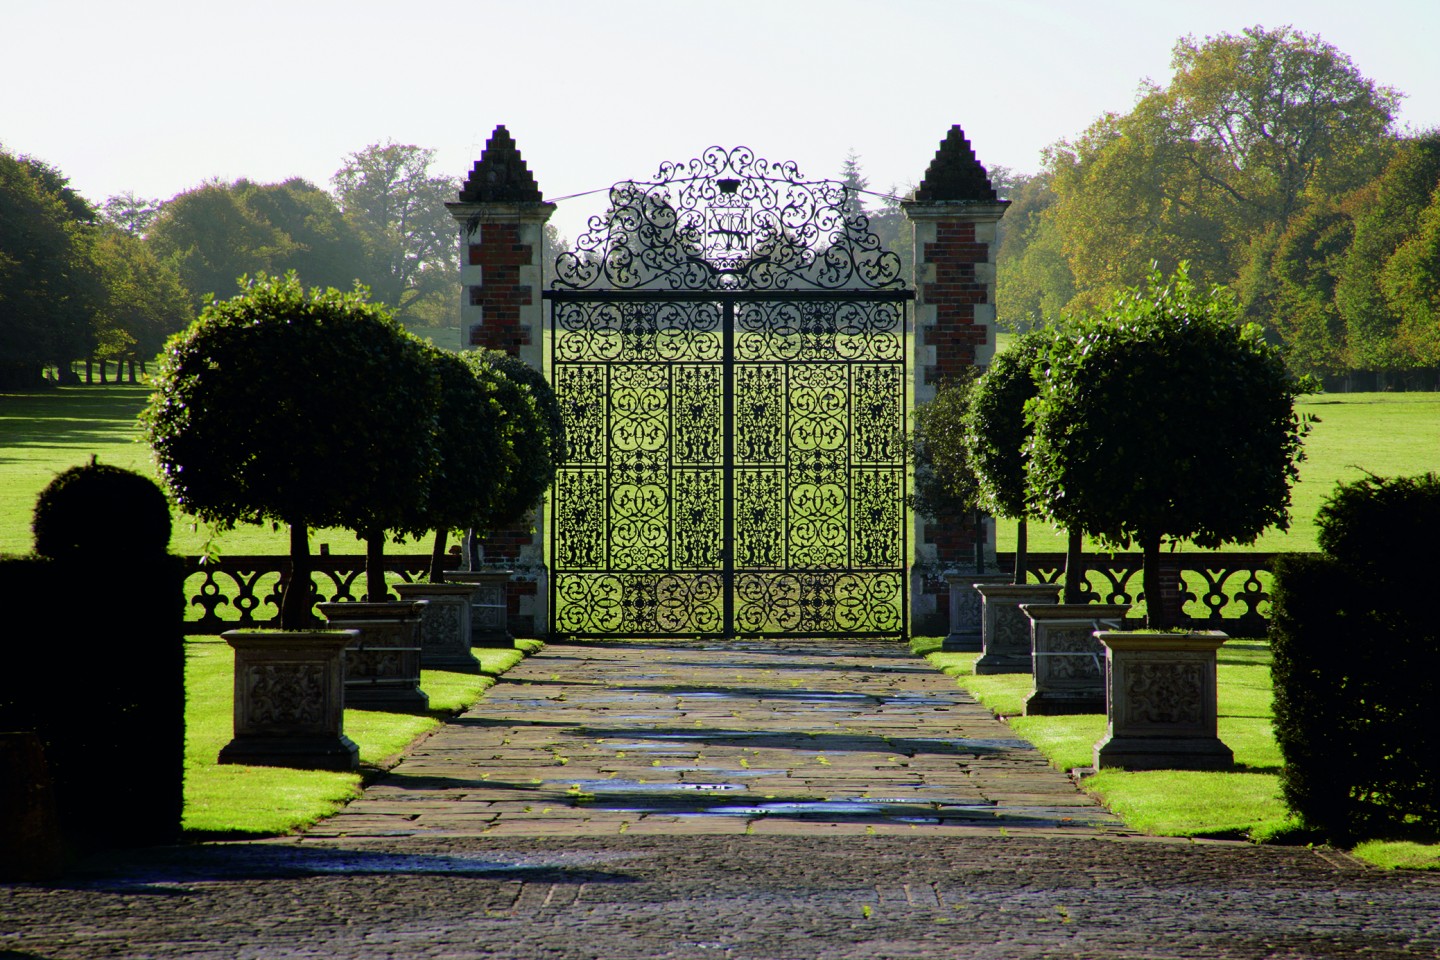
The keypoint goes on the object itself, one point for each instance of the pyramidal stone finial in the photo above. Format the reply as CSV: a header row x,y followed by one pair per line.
x,y
955,173
500,175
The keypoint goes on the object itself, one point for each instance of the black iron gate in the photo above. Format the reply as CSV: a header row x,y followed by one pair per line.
x,y
728,344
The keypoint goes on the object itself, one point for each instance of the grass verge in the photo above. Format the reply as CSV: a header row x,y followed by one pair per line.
x,y
1241,804
233,800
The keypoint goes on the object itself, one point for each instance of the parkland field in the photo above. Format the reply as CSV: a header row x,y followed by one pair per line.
x,y
41,434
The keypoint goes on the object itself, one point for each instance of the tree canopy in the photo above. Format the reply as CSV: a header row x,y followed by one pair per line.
x,y
220,232
1262,163
1163,418
47,287
396,207
250,422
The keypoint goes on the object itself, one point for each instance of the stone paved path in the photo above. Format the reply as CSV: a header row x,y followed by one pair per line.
x,y
723,739
685,801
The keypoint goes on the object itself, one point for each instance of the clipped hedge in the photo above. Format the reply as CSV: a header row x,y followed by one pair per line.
x,y
1356,660
100,678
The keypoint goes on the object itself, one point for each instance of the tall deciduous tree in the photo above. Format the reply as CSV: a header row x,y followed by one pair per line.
x,y
1163,418
397,205
1387,214
219,232
144,301
1249,127
47,288
272,406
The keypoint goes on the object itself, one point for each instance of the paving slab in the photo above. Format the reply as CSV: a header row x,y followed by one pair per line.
x,y
599,804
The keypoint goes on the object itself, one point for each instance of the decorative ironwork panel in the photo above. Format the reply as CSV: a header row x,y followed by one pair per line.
x,y
775,428
729,220
728,343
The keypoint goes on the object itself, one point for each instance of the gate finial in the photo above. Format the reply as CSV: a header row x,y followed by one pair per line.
x,y
955,173
500,175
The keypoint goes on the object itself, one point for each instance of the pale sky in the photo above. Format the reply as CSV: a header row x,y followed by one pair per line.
x,y
155,96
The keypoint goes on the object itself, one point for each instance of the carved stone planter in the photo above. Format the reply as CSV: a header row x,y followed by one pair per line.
x,y
1069,663
1160,707
489,606
444,625
1005,630
966,609
289,699
382,667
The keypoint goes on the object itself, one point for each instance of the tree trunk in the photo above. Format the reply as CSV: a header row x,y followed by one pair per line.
x,y
437,556
376,589
295,604
1021,550
1074,566
1155,617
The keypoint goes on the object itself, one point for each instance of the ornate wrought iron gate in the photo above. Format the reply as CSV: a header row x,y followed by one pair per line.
x,y
728,344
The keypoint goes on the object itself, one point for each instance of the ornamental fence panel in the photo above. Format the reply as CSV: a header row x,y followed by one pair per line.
x,y
237,592
1220,591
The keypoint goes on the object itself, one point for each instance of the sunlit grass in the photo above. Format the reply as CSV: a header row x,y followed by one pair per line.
x,y
247,800
1388,434
1400,855
1245,802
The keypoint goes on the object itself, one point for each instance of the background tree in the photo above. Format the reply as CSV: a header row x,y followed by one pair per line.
x,y
1250,130
1162,418
46,285
1387,213
144,302
251,423
130,213
219,232
397,206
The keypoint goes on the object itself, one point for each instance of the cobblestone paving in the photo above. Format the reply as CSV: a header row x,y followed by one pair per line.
x,y
682,801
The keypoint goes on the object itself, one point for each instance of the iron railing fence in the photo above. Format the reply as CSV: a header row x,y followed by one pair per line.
x,y
1223,591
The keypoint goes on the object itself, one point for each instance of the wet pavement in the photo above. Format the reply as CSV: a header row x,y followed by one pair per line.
x,y
688,800
739,738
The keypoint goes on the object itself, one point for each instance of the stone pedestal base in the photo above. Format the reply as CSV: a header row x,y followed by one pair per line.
x,y
489,606
1005,631
444,625
290,700
1069,662
1160,702
966,613
382,667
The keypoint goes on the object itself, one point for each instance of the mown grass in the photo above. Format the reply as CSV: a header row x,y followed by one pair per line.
x,y
1244,803
43,433
239,800
1388,434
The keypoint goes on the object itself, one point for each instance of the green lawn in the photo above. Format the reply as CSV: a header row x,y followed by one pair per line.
x,y
42,434
1388,434
1244,803
233,799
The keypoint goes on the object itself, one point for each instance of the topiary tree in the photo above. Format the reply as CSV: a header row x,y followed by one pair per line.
x,y
945,486
476,457
278,405
996,433
532,436
87,511
1165,420
130,734
1357,656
